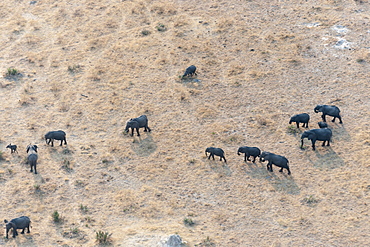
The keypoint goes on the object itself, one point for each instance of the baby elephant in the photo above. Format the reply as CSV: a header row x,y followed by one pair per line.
x,y
190,71
274,159
330,110
22,222
56,135
215,151
136,123
300,118
322,125
317,135
249,151
13,148
32,156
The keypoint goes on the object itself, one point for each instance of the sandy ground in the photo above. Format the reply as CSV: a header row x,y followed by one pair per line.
x,y
87,67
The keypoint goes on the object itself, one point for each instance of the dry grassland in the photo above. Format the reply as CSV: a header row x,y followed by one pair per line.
x,y
89,66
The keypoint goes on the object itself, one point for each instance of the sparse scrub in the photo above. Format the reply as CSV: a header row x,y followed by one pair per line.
x,y
360,60
37,187
103,237
311,200
292,130
207,242
67,165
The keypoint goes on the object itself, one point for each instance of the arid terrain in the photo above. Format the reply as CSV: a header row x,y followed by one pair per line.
x,y
87,67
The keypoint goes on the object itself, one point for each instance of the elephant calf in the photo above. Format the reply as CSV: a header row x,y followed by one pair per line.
x,y
330,110
32,156
300,118
215,151
322,125
274,159
56,135
190,71
314,135
13,148
22,222
249,151
136,123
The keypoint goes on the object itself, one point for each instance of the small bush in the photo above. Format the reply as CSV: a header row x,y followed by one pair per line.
x,y
188,221
67,165
103,237
161,28
37,187
360,60
56,217
74,69
12,72
207,242
84,208
145,32
292,129
310,200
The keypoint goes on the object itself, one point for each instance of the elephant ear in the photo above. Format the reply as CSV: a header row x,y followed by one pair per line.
x,y
311,136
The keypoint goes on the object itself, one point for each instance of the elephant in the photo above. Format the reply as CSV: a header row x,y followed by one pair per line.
x,y
55,135
190,71
300,118
13,148
314,135
275,159
322,125
22,222
136,123
215,151
249,151
330,110
32,156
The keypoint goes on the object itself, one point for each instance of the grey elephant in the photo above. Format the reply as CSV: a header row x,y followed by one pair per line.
x,y
300,118
32,157
215,151
275,159
137,123
190,71
314,135
330,110
249,151
22,222
56,135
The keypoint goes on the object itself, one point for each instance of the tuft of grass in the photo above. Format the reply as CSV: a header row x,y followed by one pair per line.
x,y
56,217
11,72
188,222
145,32
161,27
74,69
84,209
292,130
103,237
207,242
311,200
37,187
360,60
67,165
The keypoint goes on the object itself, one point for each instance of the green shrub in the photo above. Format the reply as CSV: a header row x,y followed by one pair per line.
x,y
12,72
56,217
188,221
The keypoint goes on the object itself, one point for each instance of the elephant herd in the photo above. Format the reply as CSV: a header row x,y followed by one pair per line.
x,y
323,134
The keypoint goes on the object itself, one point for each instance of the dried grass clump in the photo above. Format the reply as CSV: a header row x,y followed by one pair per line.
x,y
207,111
163,8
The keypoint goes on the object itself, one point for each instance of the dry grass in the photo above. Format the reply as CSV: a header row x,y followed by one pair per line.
x,y
87,68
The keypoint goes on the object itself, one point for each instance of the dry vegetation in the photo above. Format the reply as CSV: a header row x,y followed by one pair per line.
x,y
86,67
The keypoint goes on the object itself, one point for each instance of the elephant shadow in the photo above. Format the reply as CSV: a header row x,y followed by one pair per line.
x,y
281,181
144,147
327,159
219,167
340,134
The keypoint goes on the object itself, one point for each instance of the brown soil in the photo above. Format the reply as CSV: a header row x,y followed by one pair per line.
x,y
89,66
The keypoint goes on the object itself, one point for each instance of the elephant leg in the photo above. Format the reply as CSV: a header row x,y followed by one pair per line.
x,y
248,158
281,170
328,143
333,119
245,157
137,130
323,117
340,120
209,157
254,159
132,131
288,171
22,232
297,125
28,229
323,143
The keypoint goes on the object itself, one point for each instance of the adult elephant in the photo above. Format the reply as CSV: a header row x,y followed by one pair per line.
x,y
317,135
